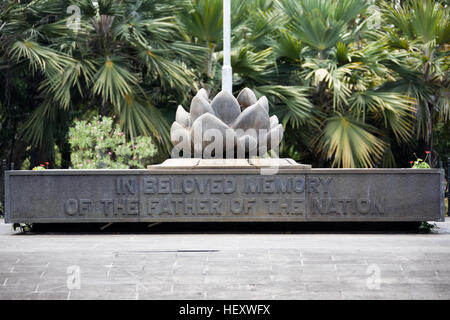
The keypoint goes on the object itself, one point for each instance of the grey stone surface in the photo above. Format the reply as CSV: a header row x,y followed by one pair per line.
x,y
226,107
238,123
199,107
253,117
215,193
202,127
225,266
183,117
246,98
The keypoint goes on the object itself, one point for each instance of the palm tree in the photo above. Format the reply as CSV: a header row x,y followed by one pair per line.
x,y
203,22
420,30
344,66
348,94
125,56
322,70
20,78
254,26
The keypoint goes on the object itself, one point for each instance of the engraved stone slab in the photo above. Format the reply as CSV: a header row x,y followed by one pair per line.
x,y
208,194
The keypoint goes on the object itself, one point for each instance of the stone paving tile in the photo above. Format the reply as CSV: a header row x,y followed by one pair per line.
x,y
213,279
188,279
226,266
328,295
49,296
286,269
291,278
16,295
318,268
374,295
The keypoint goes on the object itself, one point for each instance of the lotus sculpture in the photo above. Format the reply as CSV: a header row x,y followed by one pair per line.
x,y
226,127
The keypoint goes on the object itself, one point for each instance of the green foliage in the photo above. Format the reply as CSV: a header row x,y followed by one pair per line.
x,y
347,93
422,33
204,20
24,227
101,144
420,163
123,58
322,24
426,227
350,143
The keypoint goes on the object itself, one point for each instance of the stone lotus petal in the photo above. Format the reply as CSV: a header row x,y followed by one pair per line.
x,y
199,106
246,98
178,133
226,107
201,132
240,131
264,103
183,117
203,93
253,117
274,121
277,135
247,143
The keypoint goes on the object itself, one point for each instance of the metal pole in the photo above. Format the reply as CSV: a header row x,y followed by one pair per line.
x,y
227,71
448,188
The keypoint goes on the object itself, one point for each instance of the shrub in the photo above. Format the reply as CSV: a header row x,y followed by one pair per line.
x,y
99,144
420,163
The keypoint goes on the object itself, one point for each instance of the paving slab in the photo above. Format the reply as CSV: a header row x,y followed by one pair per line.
x,y
225,265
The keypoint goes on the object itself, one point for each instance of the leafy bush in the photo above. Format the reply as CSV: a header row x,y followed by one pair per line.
x,y
426,227
24,227
420,163
100,144
41,167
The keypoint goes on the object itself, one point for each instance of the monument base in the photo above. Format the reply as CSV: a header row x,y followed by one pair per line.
x,y
196,190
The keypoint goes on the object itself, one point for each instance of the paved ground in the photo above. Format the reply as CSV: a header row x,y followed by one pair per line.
x,y
225,266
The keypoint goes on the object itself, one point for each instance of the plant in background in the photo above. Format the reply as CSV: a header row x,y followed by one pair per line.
x,y
348,94
101,143
42,166
419,30
127,58
24,227
420,163
426,227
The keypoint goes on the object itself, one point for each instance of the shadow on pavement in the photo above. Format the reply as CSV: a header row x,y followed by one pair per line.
x,y
228,227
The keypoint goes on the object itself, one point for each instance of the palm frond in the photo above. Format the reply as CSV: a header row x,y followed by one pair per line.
x,y
140,117
113,81
350,143
395,111
290,103
40,58
203,19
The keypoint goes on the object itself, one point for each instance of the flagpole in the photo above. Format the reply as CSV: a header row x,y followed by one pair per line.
x,y
227,72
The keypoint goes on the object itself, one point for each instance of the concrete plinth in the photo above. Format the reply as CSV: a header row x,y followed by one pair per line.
x,y
212,192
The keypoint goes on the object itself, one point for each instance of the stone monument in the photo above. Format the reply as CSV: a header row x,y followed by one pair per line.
x,y
225,175
242,125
